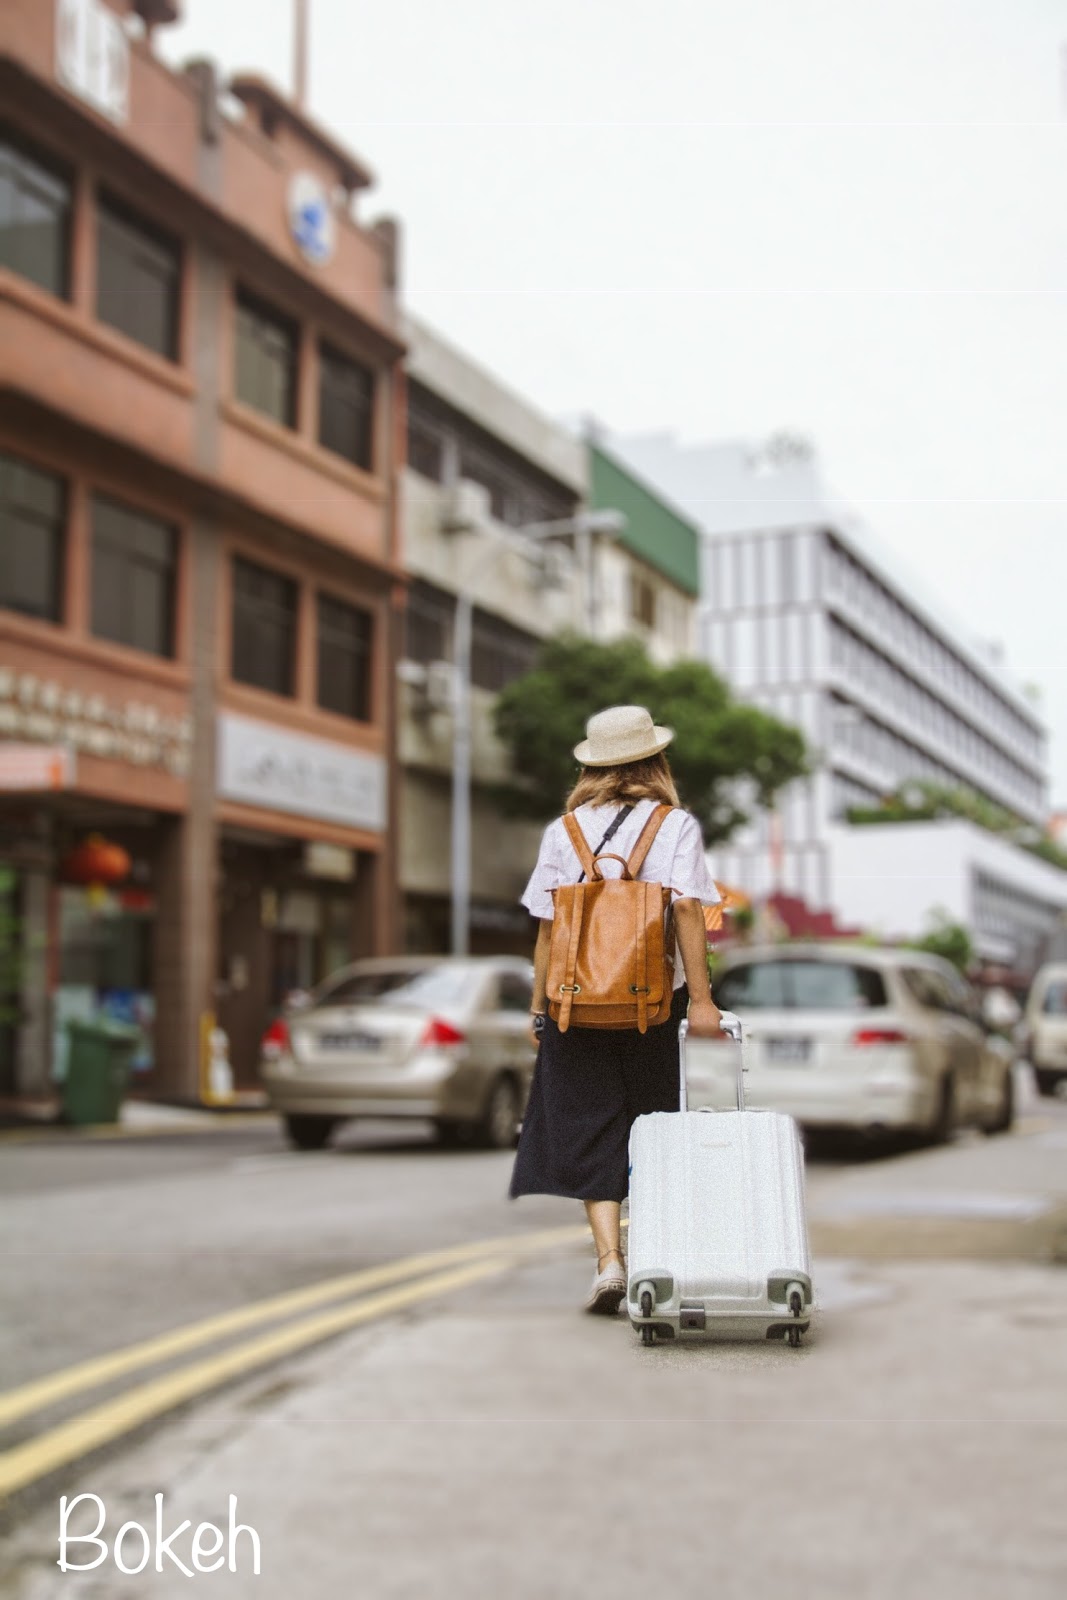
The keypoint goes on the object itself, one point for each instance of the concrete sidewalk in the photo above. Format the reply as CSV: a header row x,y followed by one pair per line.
x,y
20,1120
503,1444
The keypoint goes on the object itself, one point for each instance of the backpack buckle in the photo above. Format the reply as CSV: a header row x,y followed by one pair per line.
x,y
645,989
570,988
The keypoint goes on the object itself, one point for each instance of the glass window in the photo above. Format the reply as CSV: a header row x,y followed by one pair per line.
x,y
642,600
264,627
500,653
346,407
32,531
800,986
345,635
34,217
426,448
1054,1001
428,624
133,575
448,984
266,359
138,270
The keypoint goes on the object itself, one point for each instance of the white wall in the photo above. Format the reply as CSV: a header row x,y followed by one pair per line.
x,y
890,876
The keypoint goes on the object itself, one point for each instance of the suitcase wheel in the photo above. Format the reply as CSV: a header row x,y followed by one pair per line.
x,y
796,1306
648,1335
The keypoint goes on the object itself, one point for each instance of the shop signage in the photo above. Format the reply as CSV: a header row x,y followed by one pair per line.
x,y
263,765
93,56
311,219
37,710
323,860
36,767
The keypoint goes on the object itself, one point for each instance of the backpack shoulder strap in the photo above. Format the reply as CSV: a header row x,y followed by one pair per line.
x,y
578,840
647,834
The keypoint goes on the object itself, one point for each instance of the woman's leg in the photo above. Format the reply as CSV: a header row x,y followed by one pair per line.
x,y
604,1220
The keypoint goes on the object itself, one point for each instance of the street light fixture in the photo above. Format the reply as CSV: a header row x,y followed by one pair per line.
x,y
583,527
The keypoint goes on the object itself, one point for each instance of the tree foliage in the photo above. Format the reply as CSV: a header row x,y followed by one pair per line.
x,y
921,801
726,757
948,939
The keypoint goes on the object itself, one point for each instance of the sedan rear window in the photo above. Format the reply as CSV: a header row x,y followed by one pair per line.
x,y
428,988
1055,1002
800,986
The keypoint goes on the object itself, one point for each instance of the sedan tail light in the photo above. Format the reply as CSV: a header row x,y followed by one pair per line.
x,y
880,1036
276,1040
440,1032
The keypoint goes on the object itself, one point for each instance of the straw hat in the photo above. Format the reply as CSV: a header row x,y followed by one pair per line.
x,y
621,734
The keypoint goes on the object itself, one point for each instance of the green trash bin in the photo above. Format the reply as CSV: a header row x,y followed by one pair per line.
x,y
98,1069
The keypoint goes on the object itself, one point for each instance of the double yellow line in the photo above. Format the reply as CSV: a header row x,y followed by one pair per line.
x,y
419,1277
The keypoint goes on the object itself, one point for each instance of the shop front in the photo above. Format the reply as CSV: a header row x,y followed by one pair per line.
x,y
92,784
301,872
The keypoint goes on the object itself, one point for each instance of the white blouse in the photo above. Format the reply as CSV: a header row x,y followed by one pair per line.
x,y
676,858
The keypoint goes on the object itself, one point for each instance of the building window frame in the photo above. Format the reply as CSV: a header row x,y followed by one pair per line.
x,y
344,649
25,166
154,253
136,553
352,437
254,616
45,528
263,333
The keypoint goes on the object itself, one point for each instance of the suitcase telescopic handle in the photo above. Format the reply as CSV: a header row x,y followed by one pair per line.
x,y
730,1024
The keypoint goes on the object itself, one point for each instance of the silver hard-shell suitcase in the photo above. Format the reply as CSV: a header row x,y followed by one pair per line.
x,y
718,1239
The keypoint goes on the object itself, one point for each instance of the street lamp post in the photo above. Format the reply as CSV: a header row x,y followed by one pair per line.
x,y
583,526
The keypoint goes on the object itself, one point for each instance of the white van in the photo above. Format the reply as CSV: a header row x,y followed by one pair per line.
x,y
1046,1026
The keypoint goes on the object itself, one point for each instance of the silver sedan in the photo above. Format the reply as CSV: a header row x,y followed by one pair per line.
x,y
411,1037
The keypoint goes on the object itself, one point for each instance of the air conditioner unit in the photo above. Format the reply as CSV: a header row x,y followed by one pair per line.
x,y
412,673
440,685
557,566
466,508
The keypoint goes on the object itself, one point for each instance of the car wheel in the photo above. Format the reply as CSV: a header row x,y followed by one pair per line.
x,y
1048,1082
499,1124
940,1129
1006,1110
309,1132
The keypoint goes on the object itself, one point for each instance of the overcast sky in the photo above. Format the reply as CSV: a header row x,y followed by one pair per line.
x,y
724,217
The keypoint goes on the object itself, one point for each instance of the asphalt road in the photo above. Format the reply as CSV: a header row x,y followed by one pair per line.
x,y
107,1243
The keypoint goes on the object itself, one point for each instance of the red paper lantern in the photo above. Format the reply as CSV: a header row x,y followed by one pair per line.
x,y
98,860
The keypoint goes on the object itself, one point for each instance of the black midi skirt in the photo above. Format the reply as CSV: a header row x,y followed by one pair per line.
x,y
588,1087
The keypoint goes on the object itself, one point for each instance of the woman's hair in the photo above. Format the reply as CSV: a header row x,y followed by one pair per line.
x,y
649,779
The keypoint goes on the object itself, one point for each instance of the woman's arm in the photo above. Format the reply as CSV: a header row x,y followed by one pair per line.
x,y
544,940
692,937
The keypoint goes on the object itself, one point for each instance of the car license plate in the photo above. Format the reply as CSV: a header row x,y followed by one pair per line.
x,y
349,1041
788,1051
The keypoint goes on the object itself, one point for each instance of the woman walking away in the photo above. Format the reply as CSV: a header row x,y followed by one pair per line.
x,y
591,1082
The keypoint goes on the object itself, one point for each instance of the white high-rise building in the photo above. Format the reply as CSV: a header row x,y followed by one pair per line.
x,y
809,617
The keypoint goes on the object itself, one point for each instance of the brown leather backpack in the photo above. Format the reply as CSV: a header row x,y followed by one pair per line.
x,y
611,960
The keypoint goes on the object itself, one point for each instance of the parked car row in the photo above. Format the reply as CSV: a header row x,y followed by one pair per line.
x,y
844,1037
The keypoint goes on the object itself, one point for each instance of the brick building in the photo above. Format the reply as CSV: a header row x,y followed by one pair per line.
x,y
201,420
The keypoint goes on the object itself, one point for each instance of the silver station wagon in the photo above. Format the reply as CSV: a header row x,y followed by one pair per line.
x,y
857,1038
438,1038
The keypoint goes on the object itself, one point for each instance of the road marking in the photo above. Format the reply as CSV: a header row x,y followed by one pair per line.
x,y
41,1392
104,1423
